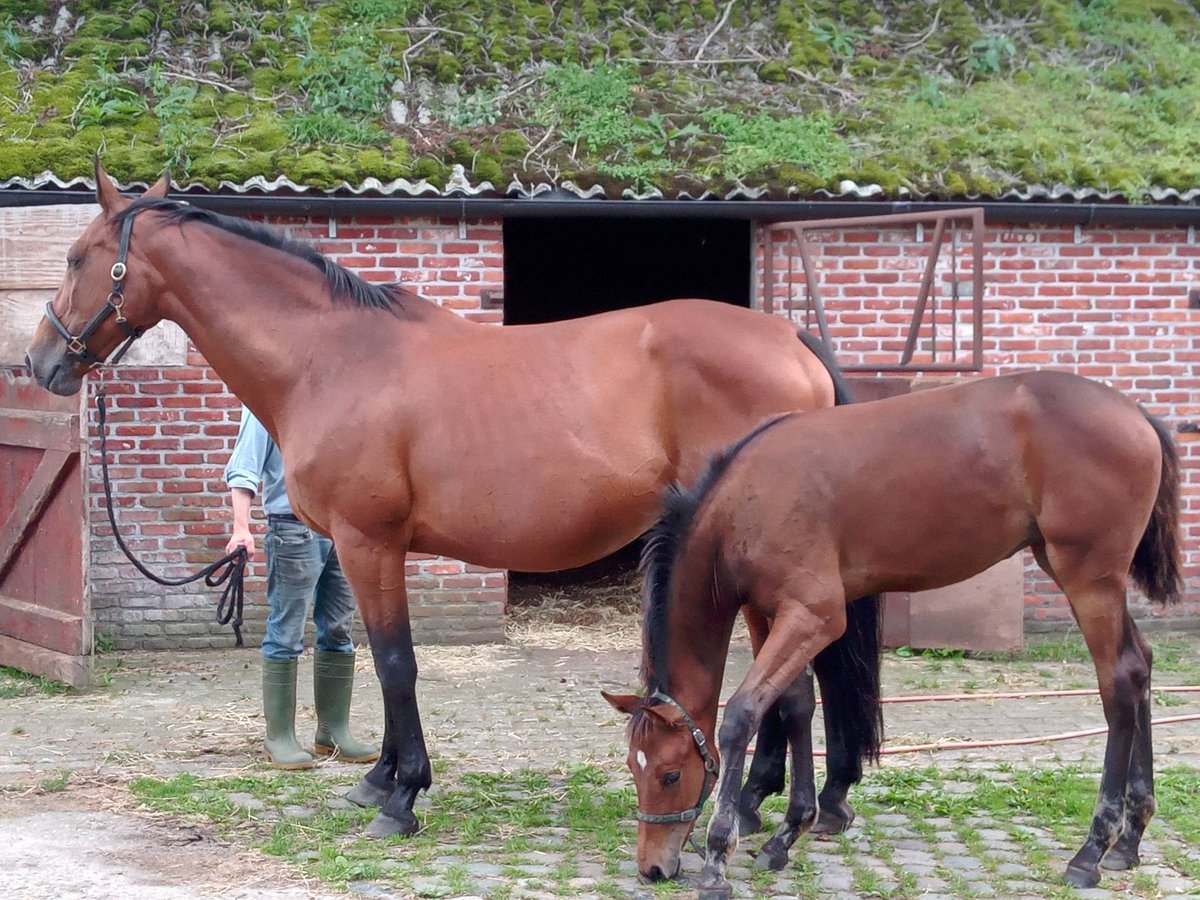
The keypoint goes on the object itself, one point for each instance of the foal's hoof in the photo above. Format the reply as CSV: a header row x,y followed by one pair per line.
x,y
772,857
749,821
1118,859
368,795
1079,877
386,826
833,821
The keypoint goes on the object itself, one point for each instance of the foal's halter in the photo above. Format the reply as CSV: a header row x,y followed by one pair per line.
x,y
711,770
77,344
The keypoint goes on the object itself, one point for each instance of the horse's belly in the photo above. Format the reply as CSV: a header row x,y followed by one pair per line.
x,y
534,537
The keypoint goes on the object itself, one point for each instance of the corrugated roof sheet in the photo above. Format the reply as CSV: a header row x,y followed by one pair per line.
x,y
460,186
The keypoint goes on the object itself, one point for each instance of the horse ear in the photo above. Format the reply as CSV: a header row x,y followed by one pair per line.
x,y
622,703
667,713
107,194
160,187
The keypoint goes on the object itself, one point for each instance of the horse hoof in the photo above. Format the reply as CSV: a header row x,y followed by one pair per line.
x,y
1079,877
832,823
770,859
1116,860
368,795
385,826
749,822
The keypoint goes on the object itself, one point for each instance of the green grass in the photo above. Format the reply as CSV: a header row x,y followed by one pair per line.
x,y
14,683
1174,655
578,815
482,818
1056,801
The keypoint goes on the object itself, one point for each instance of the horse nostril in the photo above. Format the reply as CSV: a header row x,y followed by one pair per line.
x,y
656,874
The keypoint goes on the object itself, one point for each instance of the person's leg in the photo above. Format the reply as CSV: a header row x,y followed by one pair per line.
x,y
333,662
293,567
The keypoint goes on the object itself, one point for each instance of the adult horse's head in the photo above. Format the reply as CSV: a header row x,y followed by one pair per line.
x,y
107,295
674,769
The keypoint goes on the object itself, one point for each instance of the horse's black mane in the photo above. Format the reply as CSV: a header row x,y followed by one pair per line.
x,y
342,282
661,550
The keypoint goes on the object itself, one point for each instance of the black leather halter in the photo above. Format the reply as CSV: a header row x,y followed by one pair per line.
x,y
712,769
77,344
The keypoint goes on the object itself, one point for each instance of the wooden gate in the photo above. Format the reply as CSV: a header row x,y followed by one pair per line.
x,y
45,623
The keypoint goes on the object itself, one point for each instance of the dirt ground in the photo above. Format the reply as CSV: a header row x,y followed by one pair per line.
x,y
68,826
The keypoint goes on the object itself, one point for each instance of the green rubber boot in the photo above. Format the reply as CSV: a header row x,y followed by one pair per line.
x,y
279,708
333,683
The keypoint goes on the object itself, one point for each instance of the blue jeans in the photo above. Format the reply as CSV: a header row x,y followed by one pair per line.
x,y
303,569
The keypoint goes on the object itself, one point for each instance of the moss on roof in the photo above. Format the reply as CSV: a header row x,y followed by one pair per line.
x,y
947,98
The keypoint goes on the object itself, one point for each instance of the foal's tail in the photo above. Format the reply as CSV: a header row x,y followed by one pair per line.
x,y
1155,566
848,669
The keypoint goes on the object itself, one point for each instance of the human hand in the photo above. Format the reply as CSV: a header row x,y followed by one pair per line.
x,y
242,537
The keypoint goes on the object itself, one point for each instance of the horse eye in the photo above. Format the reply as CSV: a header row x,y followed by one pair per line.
x,y
670,778
73,262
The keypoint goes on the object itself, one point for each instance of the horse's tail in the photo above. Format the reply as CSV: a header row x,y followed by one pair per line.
x,y
848,669
851,696
1155,567
819,349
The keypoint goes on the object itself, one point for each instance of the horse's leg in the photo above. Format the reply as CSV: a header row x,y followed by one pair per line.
x,y
796,707
1124,677
1139,795
377,575
841,771
799,632
1122,660
768,769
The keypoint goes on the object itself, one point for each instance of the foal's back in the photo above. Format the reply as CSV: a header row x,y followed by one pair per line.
x,y
927,489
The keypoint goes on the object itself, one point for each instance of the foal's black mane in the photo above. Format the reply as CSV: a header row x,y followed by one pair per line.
x,y
663,543
342,282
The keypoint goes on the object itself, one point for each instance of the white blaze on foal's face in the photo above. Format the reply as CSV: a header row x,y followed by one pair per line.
x,y
641,760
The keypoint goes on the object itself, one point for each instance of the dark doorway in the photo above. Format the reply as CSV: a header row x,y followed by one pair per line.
x,y
561,268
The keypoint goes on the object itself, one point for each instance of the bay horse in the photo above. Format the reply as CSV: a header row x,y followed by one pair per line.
x,y
405,426
903,494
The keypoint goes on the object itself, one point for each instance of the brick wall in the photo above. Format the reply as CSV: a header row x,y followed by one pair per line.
x,y
1108,303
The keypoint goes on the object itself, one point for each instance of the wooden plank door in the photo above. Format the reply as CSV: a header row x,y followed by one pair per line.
x,y
45,622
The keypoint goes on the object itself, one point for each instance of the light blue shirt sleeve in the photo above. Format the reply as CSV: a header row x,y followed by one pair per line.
x,y
256,460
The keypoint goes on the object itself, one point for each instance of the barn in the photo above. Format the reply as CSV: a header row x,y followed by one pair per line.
x,y
962,268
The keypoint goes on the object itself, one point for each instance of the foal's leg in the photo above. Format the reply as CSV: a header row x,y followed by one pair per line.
x,y
768,769
403,770
796,708
798,634
1124,676
1139,795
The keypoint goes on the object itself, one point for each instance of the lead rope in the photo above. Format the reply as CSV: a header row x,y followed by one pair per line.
x,y
229,609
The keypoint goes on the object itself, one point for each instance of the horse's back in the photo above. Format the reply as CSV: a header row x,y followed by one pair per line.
x,y
600,413
928,488
729,368
714,369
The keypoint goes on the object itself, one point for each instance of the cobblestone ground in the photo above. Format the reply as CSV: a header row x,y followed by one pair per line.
x,y
533,706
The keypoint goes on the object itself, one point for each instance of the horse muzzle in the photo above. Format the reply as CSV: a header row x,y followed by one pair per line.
x,y
54,369
658,873
659,863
